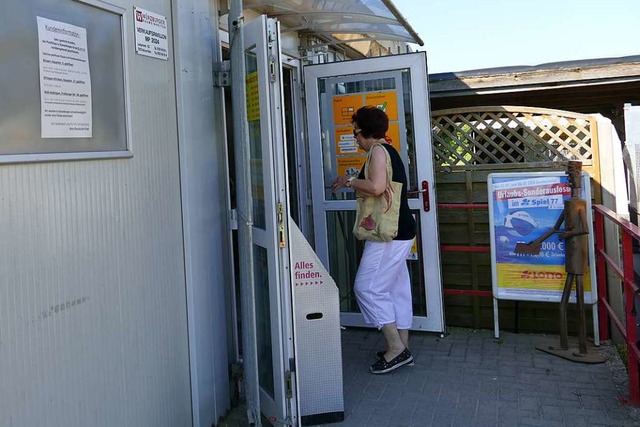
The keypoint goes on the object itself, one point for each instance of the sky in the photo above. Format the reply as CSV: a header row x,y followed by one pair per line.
x,y
461,35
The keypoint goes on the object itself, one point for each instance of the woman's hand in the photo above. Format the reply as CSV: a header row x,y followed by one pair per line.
x,y
340,182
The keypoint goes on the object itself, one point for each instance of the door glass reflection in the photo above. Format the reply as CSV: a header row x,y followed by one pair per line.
x,y
339,99
263,320
345,252
255,141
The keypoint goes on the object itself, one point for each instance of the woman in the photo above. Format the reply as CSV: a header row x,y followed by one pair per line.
x,y
382,284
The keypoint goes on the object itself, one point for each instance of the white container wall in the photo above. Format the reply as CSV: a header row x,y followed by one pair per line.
x,y
93,312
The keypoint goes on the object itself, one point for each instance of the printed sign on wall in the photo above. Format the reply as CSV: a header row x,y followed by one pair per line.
x,y
150,34
522,207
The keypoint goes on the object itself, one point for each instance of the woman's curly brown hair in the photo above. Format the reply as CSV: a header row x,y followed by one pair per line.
x,y
372,121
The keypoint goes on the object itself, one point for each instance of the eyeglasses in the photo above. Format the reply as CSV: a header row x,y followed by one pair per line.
x,y
356,132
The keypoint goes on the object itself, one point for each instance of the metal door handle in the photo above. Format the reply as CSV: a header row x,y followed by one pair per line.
x,y
426,205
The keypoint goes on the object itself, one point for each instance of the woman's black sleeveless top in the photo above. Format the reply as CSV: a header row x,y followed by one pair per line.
x,y
406,222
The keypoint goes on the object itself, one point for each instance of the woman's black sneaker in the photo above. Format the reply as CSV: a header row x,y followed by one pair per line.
x,y
380,355
382,366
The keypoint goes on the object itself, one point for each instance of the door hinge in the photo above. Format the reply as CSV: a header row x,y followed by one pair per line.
x,y
288,378
271,38
233,219
272,69
222,74
281,236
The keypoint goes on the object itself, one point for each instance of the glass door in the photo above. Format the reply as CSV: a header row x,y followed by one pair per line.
x,y
398,85
268,171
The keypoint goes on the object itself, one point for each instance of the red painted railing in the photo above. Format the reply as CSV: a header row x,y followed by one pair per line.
x,y
606,264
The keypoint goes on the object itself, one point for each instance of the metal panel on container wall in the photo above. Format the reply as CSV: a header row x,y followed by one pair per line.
x,y
92,287
205,188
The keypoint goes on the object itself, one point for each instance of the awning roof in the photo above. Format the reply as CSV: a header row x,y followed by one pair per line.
x,y
351,19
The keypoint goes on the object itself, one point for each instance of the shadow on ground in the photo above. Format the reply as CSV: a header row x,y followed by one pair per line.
x,y
236,417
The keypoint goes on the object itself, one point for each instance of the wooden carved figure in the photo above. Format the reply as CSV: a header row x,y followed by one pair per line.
x,y
574,216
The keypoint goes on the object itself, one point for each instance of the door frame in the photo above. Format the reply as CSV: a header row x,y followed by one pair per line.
x,y
416,63
297,142
263,36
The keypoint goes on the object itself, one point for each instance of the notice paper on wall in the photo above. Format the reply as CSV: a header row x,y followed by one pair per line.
x,y
65,82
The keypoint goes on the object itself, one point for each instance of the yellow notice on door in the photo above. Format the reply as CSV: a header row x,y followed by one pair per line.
x,y
413,255
253,97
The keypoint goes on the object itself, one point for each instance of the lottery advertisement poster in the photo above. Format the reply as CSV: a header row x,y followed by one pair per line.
x,y
522,207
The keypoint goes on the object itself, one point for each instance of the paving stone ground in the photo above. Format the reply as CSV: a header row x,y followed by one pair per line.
x,y
468,378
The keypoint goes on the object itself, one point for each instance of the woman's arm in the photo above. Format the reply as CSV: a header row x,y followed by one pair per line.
x,y
377,181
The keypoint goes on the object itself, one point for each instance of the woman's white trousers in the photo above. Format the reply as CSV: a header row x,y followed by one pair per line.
x,y
383,285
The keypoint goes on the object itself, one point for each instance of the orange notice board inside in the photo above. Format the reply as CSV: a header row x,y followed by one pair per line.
x,y
386,101
349,157
345,106
346,144
350,165
394,134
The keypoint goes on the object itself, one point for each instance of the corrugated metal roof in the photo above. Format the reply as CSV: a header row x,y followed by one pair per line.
x,y
359,19
550,66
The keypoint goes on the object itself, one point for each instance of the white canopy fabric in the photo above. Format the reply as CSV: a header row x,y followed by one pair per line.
x,y
352,20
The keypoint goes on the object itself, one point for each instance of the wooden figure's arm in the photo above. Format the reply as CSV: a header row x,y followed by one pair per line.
x,y
549,232
580,229
533,247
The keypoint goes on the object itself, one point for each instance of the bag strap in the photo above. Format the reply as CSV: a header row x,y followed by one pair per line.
x,y
388,158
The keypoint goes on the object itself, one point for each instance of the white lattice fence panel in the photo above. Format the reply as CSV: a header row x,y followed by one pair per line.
x,y
503,135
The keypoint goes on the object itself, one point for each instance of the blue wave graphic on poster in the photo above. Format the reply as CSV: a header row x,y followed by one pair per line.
x,y
523,210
